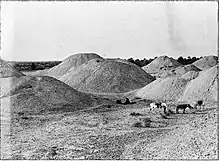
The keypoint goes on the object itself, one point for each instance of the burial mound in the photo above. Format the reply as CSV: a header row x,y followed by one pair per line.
x,y
7,70
161,63
170,88
43,94
70,62
206,62
204,87
99,75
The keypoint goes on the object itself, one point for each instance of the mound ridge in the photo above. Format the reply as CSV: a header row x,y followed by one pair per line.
x,y
70,62
99,75
206,62
161,63
170,88
7,70
43,94
185,69
205,86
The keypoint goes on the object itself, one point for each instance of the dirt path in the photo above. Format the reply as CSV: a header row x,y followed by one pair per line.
x,y
109,134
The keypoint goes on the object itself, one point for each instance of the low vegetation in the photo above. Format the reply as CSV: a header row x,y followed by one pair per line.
x,y
181,60
32,66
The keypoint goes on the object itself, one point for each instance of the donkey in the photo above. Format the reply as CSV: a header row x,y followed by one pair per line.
x,y
183,106
154,106
198,103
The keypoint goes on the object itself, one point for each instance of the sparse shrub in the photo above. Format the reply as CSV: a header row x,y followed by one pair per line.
x,y
147,122
137,124
170,111
135,114
20,113
137,97
118,101
24,117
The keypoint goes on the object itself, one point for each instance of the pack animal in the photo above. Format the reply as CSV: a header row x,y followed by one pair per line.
x,y
154,106
183,106
198,103
165,108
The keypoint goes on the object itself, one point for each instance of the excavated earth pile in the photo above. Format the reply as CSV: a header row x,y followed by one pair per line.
x,y
70,62
183,70
7,70
41,95
170,88
190,75
99,75
204,87
161,63
206,62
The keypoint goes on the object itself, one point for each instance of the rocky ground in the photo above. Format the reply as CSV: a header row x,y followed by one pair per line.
x,y
109,132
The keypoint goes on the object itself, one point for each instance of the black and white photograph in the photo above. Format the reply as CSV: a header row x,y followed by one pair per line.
x,y
109,80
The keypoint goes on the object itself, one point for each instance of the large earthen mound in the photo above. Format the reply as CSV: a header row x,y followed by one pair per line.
x,y
190,75
7,70
121,60
99,75
206,62
184,69
204,87
178,71
70,62
170,88
43,94
161,63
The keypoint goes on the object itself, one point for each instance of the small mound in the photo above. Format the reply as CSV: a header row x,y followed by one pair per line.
x,y
206,62
170,88
185,69
204,87
106,76
190,75
40,95
161,63
70,62
7,70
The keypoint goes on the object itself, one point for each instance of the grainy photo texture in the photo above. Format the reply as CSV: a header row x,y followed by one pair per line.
x,y
109,80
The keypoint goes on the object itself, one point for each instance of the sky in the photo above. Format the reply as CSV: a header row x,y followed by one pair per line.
x,y
42,31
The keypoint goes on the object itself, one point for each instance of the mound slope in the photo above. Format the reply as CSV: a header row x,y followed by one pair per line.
x,y
160,63
40,95
170,88
206,62
99,75
185,69
70,62
190,75
7,70
205,86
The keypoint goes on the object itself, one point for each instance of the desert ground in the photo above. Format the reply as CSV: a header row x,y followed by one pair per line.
x,y
71,111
